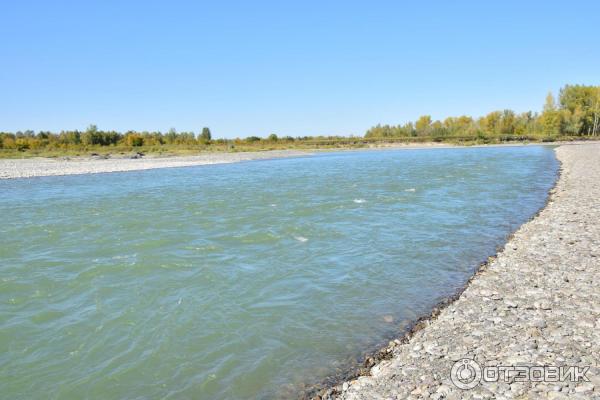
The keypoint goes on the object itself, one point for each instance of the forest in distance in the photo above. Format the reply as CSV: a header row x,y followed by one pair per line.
x,y
573,115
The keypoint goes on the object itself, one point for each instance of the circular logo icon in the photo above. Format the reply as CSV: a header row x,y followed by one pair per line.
x,y
465,374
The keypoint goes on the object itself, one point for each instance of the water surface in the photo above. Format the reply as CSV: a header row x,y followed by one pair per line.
x,y
242,280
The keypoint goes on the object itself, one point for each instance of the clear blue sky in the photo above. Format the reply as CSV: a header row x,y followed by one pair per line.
x,y
313,67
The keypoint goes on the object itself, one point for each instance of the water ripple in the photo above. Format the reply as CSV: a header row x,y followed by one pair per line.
x,y
243,280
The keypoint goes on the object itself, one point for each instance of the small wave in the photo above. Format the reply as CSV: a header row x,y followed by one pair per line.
x,y
359,201
124,256
410,190
301,239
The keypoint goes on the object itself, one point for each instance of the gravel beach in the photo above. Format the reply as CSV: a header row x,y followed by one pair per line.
x,y
31,167
536,304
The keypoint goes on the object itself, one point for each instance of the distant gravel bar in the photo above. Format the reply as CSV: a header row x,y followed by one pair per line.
x,y
536,304
11,168
32,167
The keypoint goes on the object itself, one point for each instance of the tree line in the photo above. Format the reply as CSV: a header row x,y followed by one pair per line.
x,y
92,137
576,113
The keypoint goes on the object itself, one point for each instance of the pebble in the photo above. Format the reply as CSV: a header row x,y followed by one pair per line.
x,y
584,388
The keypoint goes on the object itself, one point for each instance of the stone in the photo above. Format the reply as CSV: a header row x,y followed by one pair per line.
x,y
584,388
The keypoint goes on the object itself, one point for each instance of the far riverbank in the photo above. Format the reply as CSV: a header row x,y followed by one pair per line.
x,y
13,168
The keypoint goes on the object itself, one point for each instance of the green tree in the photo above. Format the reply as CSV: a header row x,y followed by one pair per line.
x,y
134,139
491,122
551,117
90,136
171,136
205,136
581,105
507,123
423,124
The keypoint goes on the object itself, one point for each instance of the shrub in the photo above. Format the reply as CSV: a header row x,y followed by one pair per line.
x,y
134,140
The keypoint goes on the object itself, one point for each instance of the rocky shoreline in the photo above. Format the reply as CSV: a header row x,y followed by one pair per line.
x,y
536,304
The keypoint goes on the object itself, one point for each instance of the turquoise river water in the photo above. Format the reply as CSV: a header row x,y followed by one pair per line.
x,y
243,280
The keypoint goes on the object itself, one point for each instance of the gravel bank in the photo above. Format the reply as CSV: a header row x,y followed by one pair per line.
x,y
537,303
31,167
